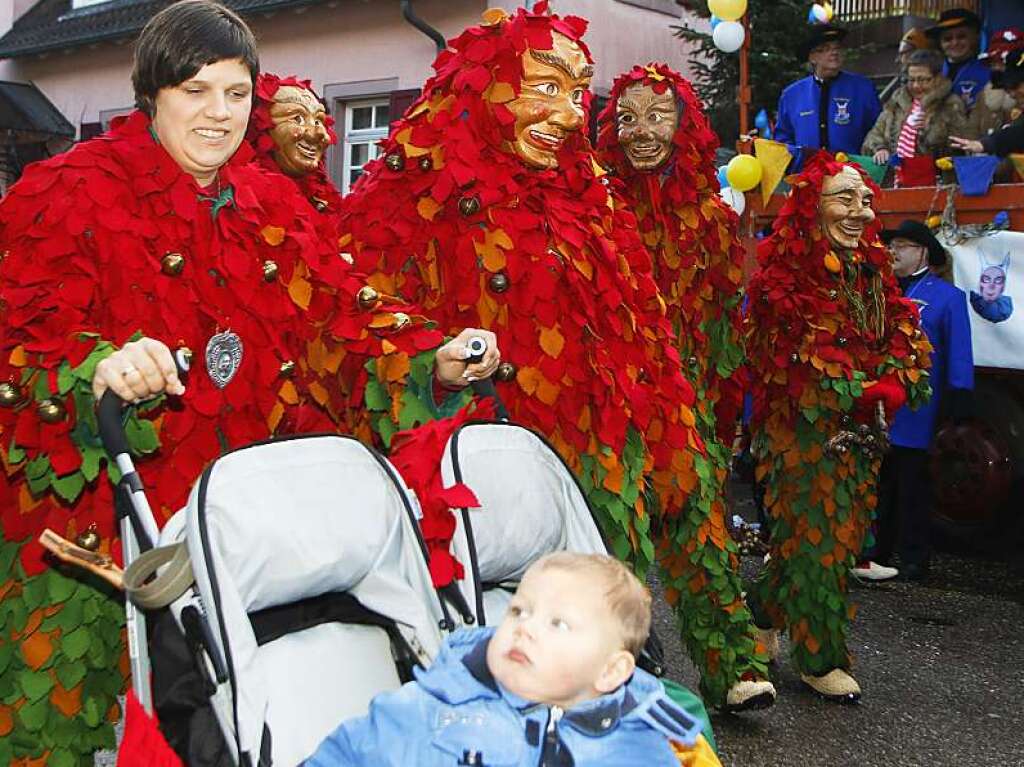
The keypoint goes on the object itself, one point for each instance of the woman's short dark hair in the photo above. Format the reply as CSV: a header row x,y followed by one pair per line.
x,y
182,39
926,58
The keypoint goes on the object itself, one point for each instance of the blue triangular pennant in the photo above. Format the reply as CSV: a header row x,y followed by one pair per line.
x,y
974,174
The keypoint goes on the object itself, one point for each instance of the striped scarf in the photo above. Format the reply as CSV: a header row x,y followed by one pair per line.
x,y
907,144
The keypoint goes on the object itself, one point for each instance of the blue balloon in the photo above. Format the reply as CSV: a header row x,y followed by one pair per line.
x,y
1002,220
723,181
715,21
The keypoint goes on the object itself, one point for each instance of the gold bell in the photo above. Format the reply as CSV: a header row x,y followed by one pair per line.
x,y
426,163
10,394
912,359
51,410
320,205
367,297
499,282
693,361
269,271
401,320
287,369
841,340
172,264
394,161
469,205
833,295
506,372
90,539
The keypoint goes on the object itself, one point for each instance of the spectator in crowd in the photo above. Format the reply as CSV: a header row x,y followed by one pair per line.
x,y
904,503
920,117
995,106
914,39
830,109
958,32
1006,140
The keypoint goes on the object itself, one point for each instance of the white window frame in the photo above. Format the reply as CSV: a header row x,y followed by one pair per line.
x,y
369,136
76,4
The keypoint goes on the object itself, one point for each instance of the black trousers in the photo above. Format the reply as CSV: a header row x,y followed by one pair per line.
x,y
903,524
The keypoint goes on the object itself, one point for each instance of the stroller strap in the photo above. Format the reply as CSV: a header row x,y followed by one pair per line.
x,y
148,589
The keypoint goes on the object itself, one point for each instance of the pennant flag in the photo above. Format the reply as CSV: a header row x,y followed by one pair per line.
x,y
775,158
1018,165
916,171
868,165
975,173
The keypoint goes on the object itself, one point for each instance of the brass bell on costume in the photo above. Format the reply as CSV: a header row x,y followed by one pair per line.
x,y
172,264
89,540
499,282
692,361
287,369
394,161
841,341
367,297
10,394
468,206
426,163
401,320
833,295
506,372
320,205
51,410
269,270
794,357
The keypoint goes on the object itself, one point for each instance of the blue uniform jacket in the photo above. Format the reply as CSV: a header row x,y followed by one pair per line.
x,y
455,713
970,79
853,108
944,320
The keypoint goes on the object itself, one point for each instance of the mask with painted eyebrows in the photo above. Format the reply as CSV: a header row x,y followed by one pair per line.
x,y
647,121
549,107
845,208
299,130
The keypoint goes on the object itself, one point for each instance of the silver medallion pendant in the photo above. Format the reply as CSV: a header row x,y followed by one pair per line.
x,y
223,357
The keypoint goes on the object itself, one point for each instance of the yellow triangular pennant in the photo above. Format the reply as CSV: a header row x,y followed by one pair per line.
x,y
775,158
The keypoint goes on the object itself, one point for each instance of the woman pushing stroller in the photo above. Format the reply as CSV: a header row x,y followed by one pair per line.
x,y
157,235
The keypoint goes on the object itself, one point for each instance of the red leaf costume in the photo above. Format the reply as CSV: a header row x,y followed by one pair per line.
x,y
450,217
698,265
112,239
825,326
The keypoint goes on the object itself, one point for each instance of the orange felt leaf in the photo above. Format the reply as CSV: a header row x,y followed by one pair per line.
x,y
687,416
427,207
288,393
500,93
832,262
273,235
32,624
275,416
37,649
68,702
613,479
6,720
812,644
671,596
18,357
318,393
301,291
393,367
551,341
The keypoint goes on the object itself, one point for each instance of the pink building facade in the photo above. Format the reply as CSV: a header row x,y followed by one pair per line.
x,y
362,56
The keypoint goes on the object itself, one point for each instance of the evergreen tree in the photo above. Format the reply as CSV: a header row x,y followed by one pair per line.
x,y
776,29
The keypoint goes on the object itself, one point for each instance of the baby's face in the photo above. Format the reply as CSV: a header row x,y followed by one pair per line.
x,y
557,640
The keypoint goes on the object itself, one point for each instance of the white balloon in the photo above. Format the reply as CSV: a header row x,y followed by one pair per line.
x,y
735,199
729,36
819,13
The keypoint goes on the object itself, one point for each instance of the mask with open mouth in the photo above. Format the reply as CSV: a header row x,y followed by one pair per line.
x,y
550,105
647,121
845,208
299,130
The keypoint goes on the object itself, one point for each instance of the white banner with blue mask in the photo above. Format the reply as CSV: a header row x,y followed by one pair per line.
x,y
990,270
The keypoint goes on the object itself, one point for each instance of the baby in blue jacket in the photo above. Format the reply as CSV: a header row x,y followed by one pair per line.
x,y
555,684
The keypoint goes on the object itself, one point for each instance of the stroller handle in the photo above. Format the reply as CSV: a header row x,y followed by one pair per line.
x,y
485,387
108,412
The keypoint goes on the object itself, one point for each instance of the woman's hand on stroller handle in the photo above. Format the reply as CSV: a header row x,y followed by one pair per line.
x,y
456,365
137,371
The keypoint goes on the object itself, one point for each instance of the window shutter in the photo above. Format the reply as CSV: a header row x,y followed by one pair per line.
x,y
400,101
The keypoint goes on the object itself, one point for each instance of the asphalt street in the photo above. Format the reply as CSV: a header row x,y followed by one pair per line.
x,y
941,665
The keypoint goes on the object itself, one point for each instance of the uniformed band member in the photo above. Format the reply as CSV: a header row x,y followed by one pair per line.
x,y
957,32
829,109
904,500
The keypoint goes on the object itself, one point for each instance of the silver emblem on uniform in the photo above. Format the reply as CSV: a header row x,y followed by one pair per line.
x,y
223,357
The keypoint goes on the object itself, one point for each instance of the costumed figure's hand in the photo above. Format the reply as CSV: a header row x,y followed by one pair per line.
x,y
888,391
450,362
139,370
881,157
968,145
98,564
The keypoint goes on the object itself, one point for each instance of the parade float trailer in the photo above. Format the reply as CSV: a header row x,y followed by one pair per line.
x,y
977,467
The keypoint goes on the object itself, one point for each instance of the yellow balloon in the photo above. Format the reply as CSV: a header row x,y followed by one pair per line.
x,y
728,10
743,172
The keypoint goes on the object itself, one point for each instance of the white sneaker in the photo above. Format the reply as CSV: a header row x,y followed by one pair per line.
x,y
836,685
750,695
872,571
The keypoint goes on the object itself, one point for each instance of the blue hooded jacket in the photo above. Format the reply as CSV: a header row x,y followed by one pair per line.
x,y
970,79
456,713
